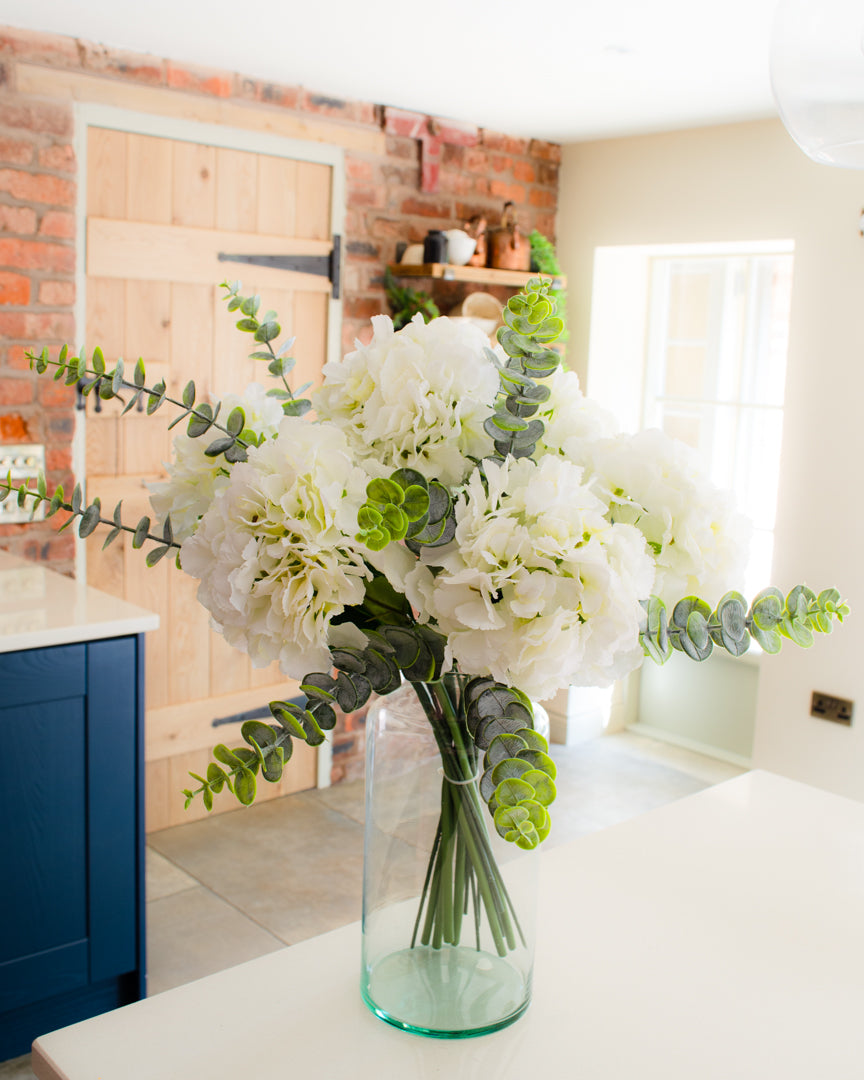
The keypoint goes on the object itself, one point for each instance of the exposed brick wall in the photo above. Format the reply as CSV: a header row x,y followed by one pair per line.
x,y
385,206
37,288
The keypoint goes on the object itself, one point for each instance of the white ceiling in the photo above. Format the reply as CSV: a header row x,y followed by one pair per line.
x,y
564,70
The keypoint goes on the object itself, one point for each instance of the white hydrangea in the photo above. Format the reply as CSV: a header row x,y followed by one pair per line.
x,y
658,484
276,553
572,421
537,589
416,398
195,479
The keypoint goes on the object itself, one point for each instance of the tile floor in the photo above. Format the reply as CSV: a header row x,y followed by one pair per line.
x,y
234,887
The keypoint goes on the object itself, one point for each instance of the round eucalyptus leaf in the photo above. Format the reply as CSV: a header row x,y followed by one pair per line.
x,y
533,739
507,818
513,791
509,769
537,759
505,746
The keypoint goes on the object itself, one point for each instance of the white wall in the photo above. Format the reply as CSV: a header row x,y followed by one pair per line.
x,y
750,182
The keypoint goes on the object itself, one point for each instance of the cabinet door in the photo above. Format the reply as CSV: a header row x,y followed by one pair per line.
x,y
43,844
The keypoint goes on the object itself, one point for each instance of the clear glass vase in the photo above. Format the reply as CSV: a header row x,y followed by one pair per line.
x,y
448,906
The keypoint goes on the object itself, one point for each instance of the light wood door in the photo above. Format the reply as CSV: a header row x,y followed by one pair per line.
x,y
158,213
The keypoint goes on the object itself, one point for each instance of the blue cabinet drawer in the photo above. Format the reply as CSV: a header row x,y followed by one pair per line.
x,y
42,675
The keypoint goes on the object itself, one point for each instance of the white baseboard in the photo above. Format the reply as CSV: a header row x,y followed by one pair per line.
x,y
691,744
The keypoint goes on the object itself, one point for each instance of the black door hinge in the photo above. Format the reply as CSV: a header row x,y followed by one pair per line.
x,y
321,265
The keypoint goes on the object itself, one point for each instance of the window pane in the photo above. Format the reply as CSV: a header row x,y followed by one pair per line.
x,y
685,371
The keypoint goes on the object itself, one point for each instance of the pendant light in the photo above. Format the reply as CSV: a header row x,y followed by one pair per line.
x,y
817,76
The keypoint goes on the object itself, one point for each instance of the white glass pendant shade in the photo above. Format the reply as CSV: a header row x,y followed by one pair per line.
x,y
817,75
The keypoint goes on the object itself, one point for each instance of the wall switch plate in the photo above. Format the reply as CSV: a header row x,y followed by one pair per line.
x,y
828,707
23,462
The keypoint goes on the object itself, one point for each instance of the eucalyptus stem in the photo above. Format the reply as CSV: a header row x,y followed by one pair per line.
x,y
463,854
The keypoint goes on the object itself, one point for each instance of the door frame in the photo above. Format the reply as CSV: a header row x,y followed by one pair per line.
x,y
87,115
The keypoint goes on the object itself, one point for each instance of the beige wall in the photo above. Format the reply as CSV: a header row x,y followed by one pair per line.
x,y
750,182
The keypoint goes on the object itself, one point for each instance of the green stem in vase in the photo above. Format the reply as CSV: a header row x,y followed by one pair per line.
x,y
461,862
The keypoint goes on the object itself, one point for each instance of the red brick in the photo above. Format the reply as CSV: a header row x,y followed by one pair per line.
x,y
373,195
477,161
15,391
37,187
505,143
457,183
126,65
524,170
13,428
360,112
514,193
547,173
17,219
545,223
452,155
52,119
287,97
16,357
14,288
60,428
548,151
359,169
57,293
400,147
396,229
15,152
541,197
57,458
57,223
398,175
199,80
50,550
363,307
501,162
60,157
36,255
55,395
47,48
427,208
36,327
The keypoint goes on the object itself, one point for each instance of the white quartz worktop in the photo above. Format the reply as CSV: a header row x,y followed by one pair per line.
x,y
39,607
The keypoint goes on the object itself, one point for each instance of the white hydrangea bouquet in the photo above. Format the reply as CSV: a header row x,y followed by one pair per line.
x,y
454,517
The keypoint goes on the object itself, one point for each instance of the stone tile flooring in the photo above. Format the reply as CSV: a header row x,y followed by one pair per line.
x,y
228,889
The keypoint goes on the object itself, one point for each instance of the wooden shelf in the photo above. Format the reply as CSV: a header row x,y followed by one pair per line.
x,y
483,274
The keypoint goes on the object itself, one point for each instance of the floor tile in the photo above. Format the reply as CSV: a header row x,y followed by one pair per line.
x,y
195,933
164,878
17,1069
292,864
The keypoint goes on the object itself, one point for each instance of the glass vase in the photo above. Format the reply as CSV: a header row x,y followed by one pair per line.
x,y
448,906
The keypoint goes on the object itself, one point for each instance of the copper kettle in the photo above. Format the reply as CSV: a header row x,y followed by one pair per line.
x,y
508,248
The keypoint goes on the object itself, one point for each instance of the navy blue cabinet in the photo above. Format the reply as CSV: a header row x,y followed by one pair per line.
x,y
71,835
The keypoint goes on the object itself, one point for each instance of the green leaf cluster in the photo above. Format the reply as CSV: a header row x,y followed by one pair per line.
x,y
406,302
95,378
695,629
391,652
518,776
265,331
545,259
407,507
89,516
530,328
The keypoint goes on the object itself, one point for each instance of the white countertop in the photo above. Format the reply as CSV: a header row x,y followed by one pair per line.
x,y
39,607
719,937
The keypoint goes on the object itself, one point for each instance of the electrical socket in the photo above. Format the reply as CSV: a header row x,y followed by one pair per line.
x,y
827,707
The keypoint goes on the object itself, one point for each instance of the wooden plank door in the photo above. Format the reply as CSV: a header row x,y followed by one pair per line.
x,y
159,211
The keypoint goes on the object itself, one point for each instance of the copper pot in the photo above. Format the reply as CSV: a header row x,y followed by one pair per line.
x,y
508,248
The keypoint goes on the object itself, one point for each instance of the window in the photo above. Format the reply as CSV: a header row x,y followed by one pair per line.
x,y
708,329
